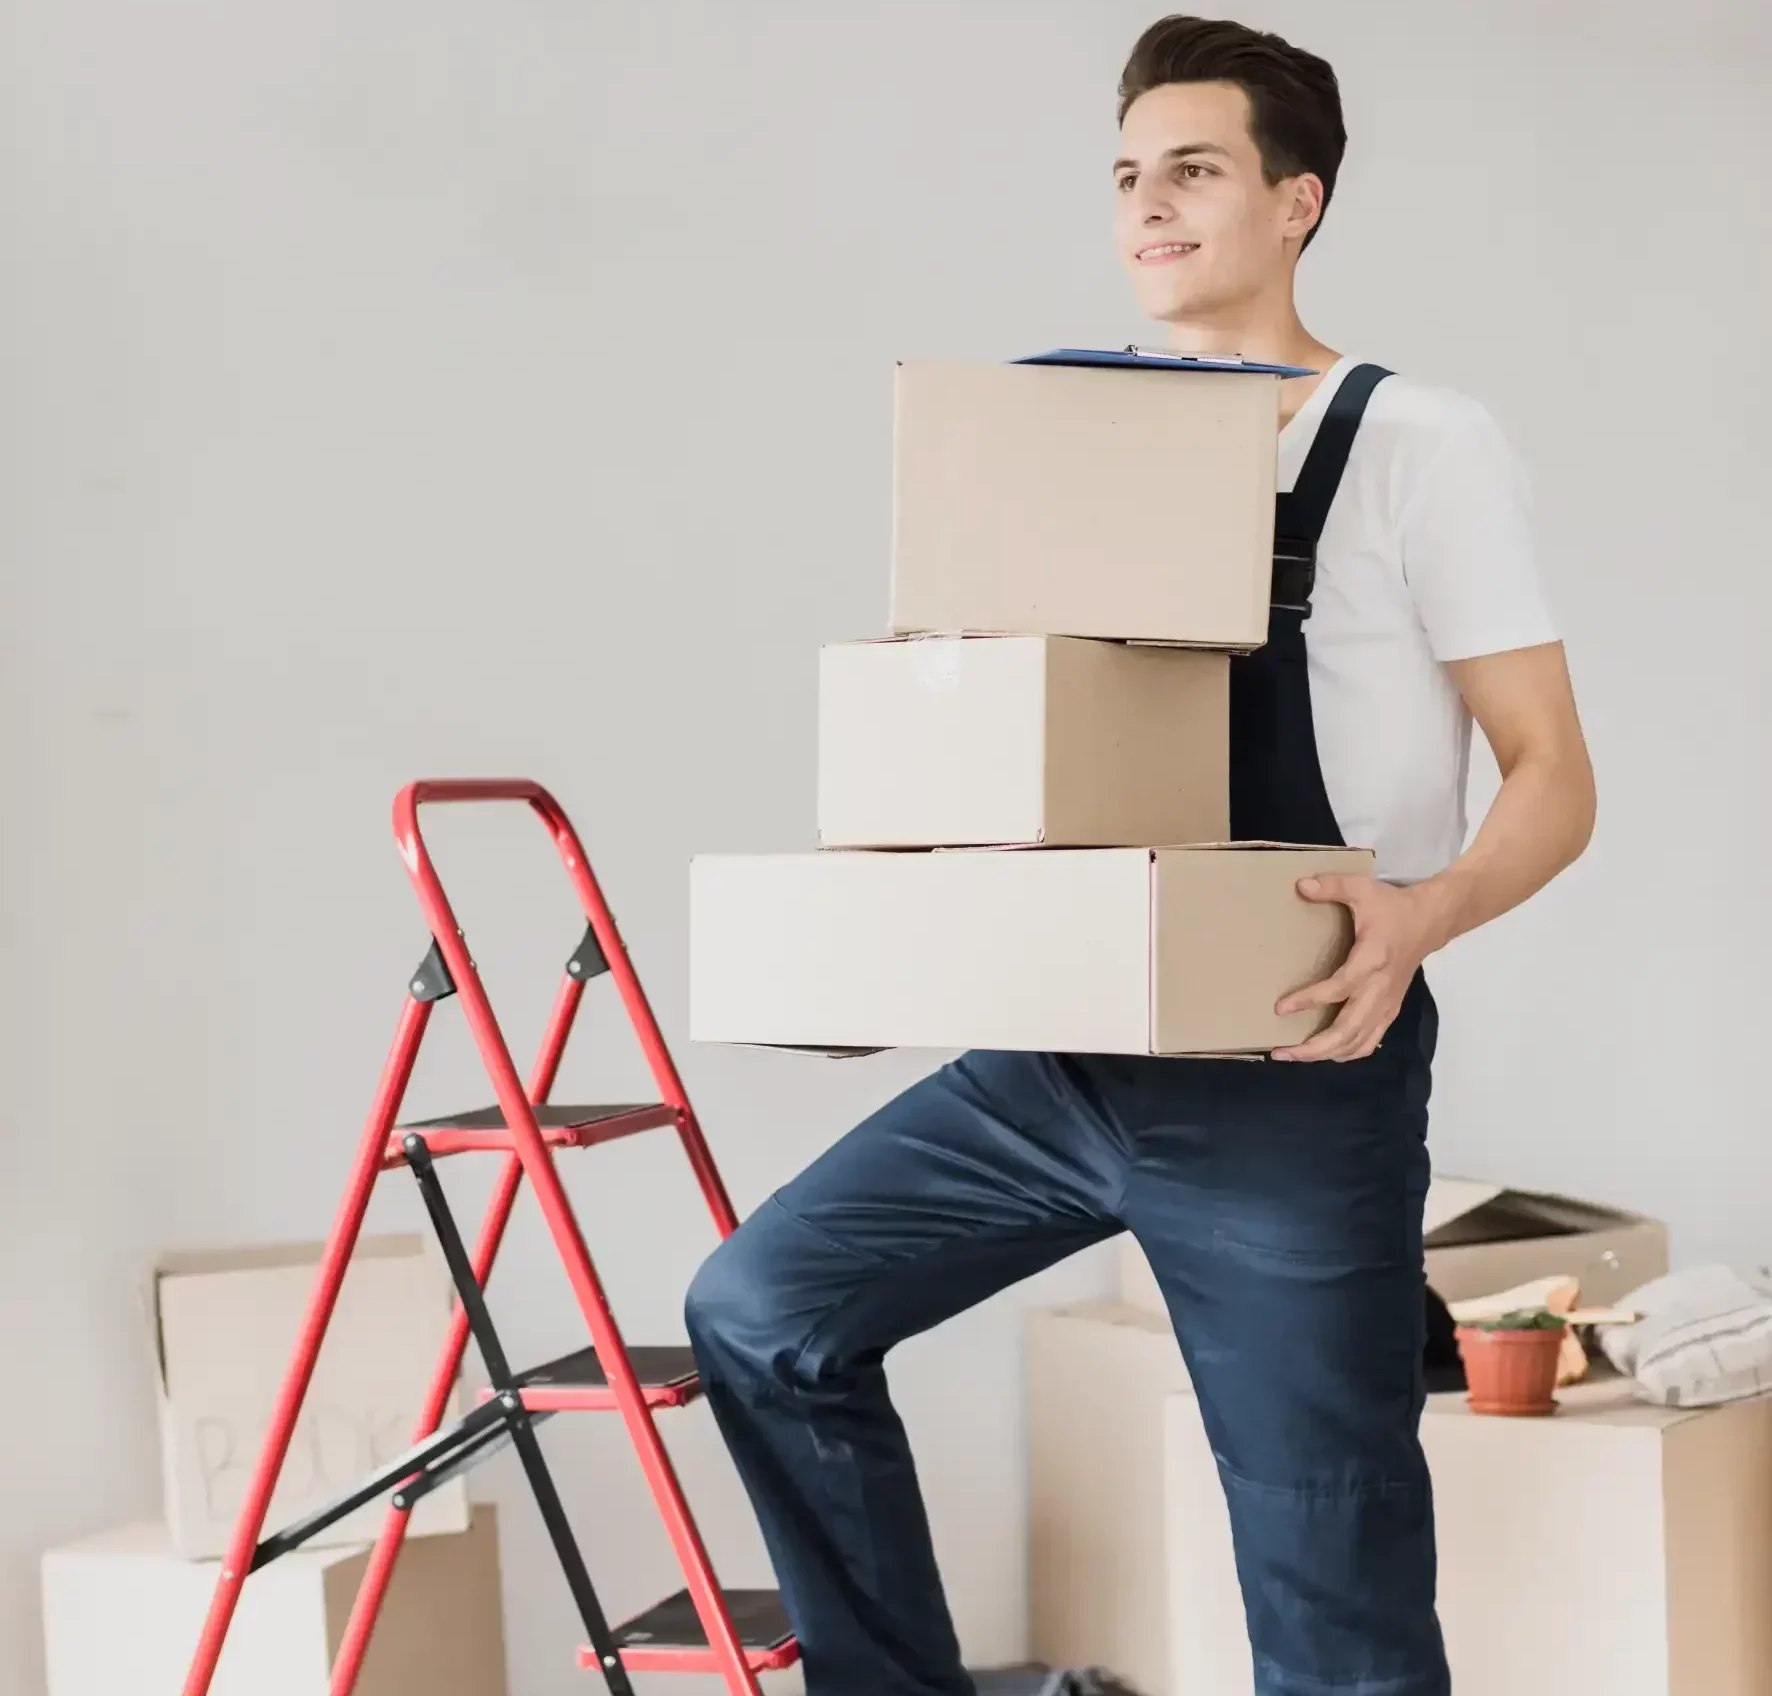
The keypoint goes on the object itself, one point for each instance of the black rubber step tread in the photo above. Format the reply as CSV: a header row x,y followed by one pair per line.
x,y
548,1117
757,1615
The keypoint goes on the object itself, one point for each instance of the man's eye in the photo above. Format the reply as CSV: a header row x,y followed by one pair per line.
x,y
1195,172
1124,183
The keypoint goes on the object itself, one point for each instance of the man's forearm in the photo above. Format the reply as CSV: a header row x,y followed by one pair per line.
x,y
1539,823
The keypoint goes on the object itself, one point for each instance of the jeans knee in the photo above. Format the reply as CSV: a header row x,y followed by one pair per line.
x,y
711,1296
736,1310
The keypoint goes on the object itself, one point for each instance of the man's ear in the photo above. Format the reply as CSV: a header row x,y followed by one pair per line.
x,y
1304,206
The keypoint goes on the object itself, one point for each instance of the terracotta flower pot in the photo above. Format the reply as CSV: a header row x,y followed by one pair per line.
x,y
1511,1372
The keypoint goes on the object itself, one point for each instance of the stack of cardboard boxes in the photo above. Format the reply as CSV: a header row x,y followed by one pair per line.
x,y
123,1609
1022,811
1023,792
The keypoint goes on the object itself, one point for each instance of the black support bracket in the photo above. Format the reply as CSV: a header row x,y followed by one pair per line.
x,y
431,981
587,960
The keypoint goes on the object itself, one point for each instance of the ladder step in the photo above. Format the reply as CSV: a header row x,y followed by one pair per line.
x,y
484,1128
577,1383
670,1638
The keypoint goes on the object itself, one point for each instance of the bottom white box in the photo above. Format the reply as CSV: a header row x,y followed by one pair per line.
x,y
122,1614
1182,950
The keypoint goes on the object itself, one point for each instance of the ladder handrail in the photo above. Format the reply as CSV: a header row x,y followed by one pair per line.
x,y
447,933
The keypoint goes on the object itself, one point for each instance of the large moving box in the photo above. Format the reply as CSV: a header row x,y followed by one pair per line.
x,y
122,1613
1615,1547
951,741
225,1325
1483,1238
1095,950
1050,500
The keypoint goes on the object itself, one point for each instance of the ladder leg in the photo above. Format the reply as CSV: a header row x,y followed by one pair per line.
x,y
333,1264
498,1370
366,1609
566,1550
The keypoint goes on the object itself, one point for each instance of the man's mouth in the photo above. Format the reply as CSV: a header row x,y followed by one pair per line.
x,y
1166,251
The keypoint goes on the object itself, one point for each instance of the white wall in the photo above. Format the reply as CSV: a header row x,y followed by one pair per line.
x,y
426,389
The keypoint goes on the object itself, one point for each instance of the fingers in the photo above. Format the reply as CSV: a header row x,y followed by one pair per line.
x,y
1329,1044
1366,961
1332,990
1354,1034
1362,984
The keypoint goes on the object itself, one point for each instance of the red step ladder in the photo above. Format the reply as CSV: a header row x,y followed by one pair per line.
x,y
734,1634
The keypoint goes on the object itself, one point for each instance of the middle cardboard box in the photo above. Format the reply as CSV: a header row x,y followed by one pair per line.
x,y
990,741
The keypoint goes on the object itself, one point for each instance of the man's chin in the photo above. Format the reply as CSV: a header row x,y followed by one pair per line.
x,y
1173,306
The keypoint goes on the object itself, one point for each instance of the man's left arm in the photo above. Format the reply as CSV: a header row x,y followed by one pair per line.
x,y
1540,821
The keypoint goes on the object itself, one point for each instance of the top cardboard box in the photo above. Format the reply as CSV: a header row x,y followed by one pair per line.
x,y
1136,505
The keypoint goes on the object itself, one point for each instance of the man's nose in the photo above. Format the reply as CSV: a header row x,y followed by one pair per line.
x,y
1152,206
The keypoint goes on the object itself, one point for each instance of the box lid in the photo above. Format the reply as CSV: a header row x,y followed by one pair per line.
x,y
1473,1210
283,1256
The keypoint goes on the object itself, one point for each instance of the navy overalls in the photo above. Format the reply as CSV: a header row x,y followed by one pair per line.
x,y
1280,1206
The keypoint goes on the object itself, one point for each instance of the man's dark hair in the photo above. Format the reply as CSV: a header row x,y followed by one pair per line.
x,y
1294,99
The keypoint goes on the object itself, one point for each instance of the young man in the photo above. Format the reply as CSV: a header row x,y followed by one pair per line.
x,y
1279,1203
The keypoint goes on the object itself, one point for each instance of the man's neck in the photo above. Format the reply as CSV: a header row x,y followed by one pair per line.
x,y
1264,330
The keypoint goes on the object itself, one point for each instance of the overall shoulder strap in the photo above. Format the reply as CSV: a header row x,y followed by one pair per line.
x,y
1300,514
1306,509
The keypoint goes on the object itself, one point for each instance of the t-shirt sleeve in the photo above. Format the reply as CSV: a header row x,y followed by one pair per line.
x,y
1467,544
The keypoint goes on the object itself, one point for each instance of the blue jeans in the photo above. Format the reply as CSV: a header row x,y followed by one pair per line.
x,y
1280,1206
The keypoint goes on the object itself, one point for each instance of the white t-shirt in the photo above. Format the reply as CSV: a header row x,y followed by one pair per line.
x,y
1427,556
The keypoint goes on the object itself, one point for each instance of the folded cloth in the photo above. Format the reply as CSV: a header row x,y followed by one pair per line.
x,y
1705,1336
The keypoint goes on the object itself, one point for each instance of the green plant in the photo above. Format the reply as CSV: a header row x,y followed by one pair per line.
x,y
1522,1319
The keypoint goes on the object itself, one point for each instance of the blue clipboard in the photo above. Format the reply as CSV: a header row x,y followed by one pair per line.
x,y
1130,358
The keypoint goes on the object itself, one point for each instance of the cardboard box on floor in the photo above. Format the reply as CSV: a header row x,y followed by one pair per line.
x,y
122,1613
1049,500
225,1323
1485,1237
1094,950
957,741
1099,1378
1616,1547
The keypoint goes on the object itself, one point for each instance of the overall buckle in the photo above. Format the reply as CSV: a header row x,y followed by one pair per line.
x,y
1295,573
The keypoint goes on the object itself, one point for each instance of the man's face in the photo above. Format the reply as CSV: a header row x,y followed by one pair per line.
x,y
1196,223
